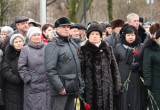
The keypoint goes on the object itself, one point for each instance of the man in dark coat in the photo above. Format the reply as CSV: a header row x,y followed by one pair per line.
x,y
114,38
63,68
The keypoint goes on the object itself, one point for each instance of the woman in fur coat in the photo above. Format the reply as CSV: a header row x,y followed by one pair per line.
x,y
99,70
13,84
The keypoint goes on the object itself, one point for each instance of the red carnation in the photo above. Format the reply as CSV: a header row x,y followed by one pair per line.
x,y
87,106
135,52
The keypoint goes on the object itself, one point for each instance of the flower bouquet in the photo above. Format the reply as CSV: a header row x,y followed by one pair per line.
x,y
126,83
151,98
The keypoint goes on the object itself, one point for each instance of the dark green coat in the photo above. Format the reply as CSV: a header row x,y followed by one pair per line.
x,y
151,68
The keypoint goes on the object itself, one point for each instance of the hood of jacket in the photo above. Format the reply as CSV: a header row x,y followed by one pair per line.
x,y
152,44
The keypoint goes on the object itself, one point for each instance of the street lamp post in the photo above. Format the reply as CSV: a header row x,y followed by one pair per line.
x,y
42,11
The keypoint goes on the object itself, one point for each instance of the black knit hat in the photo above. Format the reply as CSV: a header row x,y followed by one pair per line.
x,y
157,34
117,23
62,21
94,27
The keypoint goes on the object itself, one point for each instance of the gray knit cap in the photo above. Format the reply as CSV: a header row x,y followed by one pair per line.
x,y
7,29
14,36
32,31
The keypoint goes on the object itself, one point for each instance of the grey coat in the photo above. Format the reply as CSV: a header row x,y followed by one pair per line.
x,y
113,40
62,67
131,99
32,72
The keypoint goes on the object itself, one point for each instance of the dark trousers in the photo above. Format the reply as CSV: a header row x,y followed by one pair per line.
x,y
62,103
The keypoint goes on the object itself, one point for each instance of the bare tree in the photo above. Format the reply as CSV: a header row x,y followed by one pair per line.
x,y
49,2
110,14
76,9
5,7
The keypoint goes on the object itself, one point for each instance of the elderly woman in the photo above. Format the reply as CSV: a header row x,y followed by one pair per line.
x,y
151,64
127,54
99,70
32,72
5,31
13,84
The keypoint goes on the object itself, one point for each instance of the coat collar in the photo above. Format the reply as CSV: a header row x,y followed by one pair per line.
x,y
152,44
11,53
91,47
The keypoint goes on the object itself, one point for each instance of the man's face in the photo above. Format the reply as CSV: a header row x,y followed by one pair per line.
x,y
23,26
74,32
63,30
134,22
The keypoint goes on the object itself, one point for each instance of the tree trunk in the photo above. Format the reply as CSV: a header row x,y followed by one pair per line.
x,y
76,10
110,10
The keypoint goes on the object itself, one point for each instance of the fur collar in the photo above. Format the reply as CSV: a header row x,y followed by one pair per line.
x,y
90,47
11,53
152,44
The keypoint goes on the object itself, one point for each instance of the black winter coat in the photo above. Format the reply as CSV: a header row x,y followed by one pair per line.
x,y
101,75
130,99
13,84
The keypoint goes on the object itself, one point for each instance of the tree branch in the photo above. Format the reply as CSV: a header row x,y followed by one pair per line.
x,y
50,2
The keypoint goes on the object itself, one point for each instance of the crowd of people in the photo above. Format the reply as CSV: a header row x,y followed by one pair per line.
x,y
107,66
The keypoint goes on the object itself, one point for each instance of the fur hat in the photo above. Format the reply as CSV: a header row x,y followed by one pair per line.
x,y
62,21
154,28
14,36
117,23
20,19
32,31
157,34
94,27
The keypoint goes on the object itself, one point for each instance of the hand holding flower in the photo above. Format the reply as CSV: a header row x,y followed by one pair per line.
x,y
134,65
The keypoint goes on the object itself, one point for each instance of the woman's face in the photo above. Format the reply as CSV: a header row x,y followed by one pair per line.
x,y
3,35
36,38
94,37
48,30
130,37
18,43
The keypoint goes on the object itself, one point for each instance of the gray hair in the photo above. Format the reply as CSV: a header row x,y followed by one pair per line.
x,y
131,15
7,29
